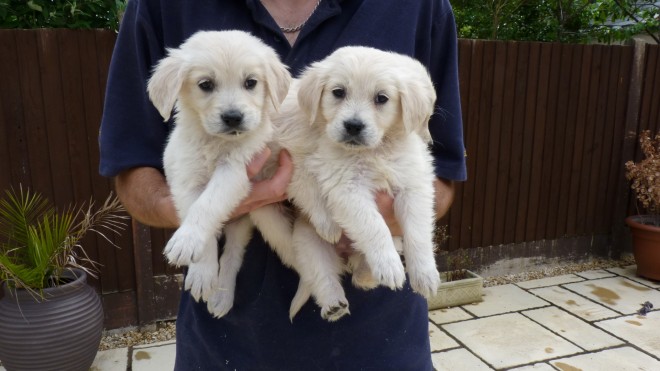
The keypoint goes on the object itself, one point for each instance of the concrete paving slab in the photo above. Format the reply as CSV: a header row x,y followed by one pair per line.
x,y
572,328
447,315
504,299
550,281
458,360
154,357
574,303
631,272
509,340
617,293
595,274
619,359
440,340
641,331
535,367
111,360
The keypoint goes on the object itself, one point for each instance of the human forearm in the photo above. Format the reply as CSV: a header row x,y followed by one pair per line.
x,y
146,196
444,196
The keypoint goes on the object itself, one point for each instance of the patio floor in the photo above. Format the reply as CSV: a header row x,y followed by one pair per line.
x,y
582,321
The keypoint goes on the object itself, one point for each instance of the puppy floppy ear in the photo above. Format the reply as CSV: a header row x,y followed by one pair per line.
x,y
311,90
278,80
417,105
165,84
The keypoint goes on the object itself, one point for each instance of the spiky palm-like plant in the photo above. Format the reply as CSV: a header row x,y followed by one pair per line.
x,y
37,243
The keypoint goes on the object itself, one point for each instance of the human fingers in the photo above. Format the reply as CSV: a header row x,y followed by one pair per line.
x,y
257,162
284,172
385,204
268,191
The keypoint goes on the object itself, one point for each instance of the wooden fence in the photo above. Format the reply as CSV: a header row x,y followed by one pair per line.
x,y
547,129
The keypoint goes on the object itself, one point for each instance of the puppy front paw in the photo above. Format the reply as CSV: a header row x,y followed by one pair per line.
x,y
201,280
184,246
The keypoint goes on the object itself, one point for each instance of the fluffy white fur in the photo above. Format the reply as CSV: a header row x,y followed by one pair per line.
x,y
224,87
356,123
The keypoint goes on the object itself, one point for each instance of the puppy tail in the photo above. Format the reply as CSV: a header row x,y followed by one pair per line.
x,y
299,299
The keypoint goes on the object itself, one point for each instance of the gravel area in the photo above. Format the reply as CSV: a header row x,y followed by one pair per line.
x,y
559,270
123,338
166,330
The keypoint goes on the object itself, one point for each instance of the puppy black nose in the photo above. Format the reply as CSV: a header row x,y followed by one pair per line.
x,y
232,118
353,126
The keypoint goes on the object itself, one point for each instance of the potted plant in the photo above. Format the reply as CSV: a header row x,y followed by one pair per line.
x,y
51,318
645,228
459,285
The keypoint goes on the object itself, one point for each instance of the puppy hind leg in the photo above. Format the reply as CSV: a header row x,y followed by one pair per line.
x,y
307,195
320,269
276,226
237,236
362,277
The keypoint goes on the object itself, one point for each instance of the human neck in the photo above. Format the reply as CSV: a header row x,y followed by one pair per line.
x,y
290,13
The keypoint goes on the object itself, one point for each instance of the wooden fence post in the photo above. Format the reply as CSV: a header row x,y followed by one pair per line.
x,y
143,273
630,134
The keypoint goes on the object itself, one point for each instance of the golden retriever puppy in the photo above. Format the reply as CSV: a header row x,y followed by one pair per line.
x,y
356,123
224,86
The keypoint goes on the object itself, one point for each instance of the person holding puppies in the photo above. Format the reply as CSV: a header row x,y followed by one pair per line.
x,y
386,329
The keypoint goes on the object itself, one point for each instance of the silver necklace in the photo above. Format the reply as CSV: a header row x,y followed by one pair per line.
x,y
300,26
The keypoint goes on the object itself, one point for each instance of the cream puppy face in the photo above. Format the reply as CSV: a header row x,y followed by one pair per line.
x,y
224,81
364,96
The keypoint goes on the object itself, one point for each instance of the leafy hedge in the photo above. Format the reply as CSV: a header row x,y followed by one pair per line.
x,y
61,13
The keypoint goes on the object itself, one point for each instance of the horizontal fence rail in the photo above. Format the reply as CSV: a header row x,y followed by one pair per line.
x,y
547,129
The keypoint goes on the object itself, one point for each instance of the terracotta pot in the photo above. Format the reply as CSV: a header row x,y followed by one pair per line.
x,y
62,332
645,231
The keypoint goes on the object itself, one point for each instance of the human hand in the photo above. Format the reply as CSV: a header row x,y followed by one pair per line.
x,y
266,191
385,204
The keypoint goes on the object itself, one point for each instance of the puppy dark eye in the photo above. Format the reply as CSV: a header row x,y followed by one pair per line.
x,y
339,92
250,84
206,85
381,98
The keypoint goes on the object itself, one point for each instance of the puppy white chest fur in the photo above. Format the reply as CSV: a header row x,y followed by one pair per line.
x,y
390,167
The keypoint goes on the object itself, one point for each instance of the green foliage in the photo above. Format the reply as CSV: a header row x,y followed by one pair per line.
x,y
575,21
37,243
632,18
61,13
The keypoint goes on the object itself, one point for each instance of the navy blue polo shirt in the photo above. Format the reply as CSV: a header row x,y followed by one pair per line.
x,y
386,330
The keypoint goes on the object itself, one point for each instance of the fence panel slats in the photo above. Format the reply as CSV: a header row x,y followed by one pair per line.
x,y
471,138
578,140
33,114
603,203
532,64
547,139
15,165
571,91
517,78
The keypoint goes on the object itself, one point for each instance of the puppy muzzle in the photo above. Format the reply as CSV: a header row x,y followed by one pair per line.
x,y
353,132
232,122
